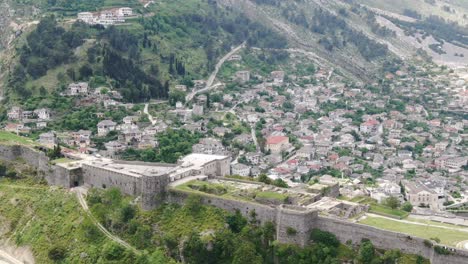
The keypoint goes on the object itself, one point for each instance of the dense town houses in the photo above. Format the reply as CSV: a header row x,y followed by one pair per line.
x,y
293,127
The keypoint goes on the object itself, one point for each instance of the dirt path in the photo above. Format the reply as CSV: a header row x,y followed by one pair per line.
x,y
5,257
80,193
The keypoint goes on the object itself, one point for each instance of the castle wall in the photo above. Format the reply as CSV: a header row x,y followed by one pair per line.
x,y
347,231
303,221
296,219
263,213
153,190
54,175
102,178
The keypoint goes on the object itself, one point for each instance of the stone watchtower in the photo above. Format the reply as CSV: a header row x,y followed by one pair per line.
x,y
293,224
153,190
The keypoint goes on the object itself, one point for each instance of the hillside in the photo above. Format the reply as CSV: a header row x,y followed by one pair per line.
x,y
179,41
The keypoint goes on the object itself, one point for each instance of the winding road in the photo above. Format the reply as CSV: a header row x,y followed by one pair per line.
x,y
209,84
150,117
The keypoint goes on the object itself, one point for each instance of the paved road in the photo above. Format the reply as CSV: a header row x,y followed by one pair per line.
x,y
211,79
150,117
80,195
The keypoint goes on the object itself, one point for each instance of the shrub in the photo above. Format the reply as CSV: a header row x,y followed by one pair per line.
x,y
428,243
407,207
113,251
441,250
392,202
324,237
291,231
57,253
236,221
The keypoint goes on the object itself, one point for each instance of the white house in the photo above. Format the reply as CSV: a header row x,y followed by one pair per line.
x,y
105,126
86,17
240,169
42,113
125,12
78,88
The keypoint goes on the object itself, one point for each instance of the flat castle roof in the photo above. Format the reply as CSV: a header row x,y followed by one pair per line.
x,y
198,159
138,169
134,169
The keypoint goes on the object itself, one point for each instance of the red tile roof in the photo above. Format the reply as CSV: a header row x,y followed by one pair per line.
x,y
276,140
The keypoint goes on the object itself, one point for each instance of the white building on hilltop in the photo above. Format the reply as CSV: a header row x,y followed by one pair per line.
x,y
106,17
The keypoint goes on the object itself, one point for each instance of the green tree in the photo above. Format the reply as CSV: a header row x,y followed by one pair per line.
x,y
324,237
264,178
193,204
407,207
57,253
392,202
391,256
113,251
366,252
246,253
194,250
236,221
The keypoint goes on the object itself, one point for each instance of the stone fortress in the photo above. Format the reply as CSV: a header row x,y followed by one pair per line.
x,y
156,183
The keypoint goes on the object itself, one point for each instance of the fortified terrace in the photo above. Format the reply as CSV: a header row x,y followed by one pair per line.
x,y
295,211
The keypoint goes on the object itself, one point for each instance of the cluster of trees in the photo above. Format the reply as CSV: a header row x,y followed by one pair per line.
x,y
438,27
412,13
340,34
377,28
47,47
234,238
134,84
73,5
208,30
394,203
173,144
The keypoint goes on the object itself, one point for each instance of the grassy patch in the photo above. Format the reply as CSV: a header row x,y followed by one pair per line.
x,y
272,195
179,221
42,218
429,222
62,160
387,211
10,138
411,259
446,236
380,209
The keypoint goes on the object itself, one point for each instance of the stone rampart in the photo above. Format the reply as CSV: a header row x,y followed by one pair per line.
x,y
263,213
54,175
346,231
293,224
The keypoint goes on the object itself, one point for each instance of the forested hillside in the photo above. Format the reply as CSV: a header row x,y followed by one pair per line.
x,y
140,58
